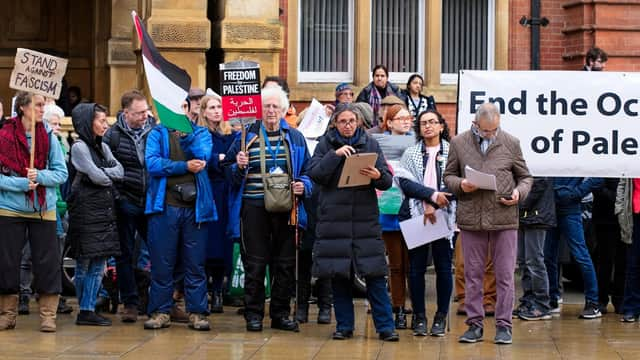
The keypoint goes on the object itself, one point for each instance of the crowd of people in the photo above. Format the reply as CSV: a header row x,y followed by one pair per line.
x,y
185,199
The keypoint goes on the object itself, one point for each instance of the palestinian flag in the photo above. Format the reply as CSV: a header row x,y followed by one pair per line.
x,y
169,84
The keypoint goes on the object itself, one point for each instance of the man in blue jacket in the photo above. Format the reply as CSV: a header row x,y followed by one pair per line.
x,y
568,195
179,200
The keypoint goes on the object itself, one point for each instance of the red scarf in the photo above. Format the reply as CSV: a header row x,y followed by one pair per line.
x,y
14,153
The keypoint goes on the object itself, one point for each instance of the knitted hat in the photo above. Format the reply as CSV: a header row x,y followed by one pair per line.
x,y
342,87
367,113
392,100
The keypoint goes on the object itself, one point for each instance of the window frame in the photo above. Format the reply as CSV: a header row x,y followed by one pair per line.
x,y
326,76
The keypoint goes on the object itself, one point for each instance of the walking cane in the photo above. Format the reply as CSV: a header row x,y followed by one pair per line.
x,y
294,220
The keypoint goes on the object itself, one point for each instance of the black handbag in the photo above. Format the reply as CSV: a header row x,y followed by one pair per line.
x,y
186,192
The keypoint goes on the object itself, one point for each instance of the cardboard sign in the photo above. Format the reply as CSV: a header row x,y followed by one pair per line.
x,y
240,90
38,73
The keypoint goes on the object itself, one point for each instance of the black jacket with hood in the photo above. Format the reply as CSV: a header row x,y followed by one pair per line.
x,y
92,219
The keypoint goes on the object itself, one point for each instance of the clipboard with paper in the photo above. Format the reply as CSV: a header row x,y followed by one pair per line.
x,y
350,175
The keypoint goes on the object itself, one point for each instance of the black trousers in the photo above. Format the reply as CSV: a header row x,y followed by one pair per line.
x,y
267,239
323,286
611,256
45,254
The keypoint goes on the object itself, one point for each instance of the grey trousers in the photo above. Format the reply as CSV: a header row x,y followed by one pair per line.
x,y
534,273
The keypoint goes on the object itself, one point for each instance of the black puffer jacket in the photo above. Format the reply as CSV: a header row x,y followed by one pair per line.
x,y
92,221
347,228
130,153
538,210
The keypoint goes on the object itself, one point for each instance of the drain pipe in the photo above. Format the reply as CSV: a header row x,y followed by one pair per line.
x,y
535,22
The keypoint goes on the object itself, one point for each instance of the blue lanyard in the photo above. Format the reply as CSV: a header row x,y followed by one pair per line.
x,y
273,152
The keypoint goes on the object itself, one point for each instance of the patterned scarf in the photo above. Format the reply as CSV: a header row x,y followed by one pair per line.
x,y
374,99
14,153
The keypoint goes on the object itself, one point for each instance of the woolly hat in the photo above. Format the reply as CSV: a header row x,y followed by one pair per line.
x,y
367,113
392,100
342,87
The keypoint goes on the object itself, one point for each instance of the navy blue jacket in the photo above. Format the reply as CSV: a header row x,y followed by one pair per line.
x,y
569,192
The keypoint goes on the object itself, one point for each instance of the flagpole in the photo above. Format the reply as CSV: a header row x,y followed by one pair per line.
x,y
32,154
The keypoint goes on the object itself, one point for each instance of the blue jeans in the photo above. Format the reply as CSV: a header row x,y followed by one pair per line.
x,y
88,279
631,303
570,225
175,233
378,297
418,257
131,219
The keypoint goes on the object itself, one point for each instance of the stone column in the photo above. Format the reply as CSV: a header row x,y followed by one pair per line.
x,y
121,59
250,30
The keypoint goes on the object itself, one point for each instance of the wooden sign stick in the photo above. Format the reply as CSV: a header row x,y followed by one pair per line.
x,y
32,155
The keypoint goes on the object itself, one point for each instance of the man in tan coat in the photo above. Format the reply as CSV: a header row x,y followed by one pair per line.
x,y
488,219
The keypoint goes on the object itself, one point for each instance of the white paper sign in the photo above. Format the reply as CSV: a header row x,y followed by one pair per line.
x,y
417,233
569,123
315,121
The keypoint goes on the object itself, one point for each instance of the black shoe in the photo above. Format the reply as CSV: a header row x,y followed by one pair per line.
x,y
342,335
472,335
401,318
629,318
216,303
302,313
603,308
23,305
591,311
91,318
284,323
63,308
439,324
389,336
254,324
324,316
419,325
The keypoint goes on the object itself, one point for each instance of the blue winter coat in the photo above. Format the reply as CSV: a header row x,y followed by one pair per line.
x,y
569,192
196,145
299,162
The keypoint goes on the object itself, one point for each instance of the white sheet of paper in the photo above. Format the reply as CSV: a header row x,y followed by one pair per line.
x,y
315,121
416,233
481,180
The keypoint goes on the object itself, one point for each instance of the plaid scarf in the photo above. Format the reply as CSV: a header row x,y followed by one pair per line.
x,y
14,153
374,99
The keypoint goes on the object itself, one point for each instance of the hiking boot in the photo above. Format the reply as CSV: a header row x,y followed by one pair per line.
x,y
158,321
503,335
419,324
401,318
23,305
590,311
63,307
129,314
439,324
534,314
472,335
391,336
178,315
199,322
216,303
324,316
91,318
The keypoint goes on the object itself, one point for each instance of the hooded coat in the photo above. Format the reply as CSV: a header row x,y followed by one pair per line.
x,y
347,230
93,230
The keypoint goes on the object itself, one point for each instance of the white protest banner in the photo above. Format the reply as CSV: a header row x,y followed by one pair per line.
x,y
38,73
570,123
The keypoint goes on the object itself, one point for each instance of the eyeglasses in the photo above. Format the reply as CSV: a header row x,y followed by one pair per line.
x,y
403,118
430,122
343,123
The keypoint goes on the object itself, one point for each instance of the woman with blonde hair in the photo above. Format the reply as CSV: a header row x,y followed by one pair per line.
x,y
219,245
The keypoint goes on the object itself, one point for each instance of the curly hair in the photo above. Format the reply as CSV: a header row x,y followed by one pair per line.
x,y
444,135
